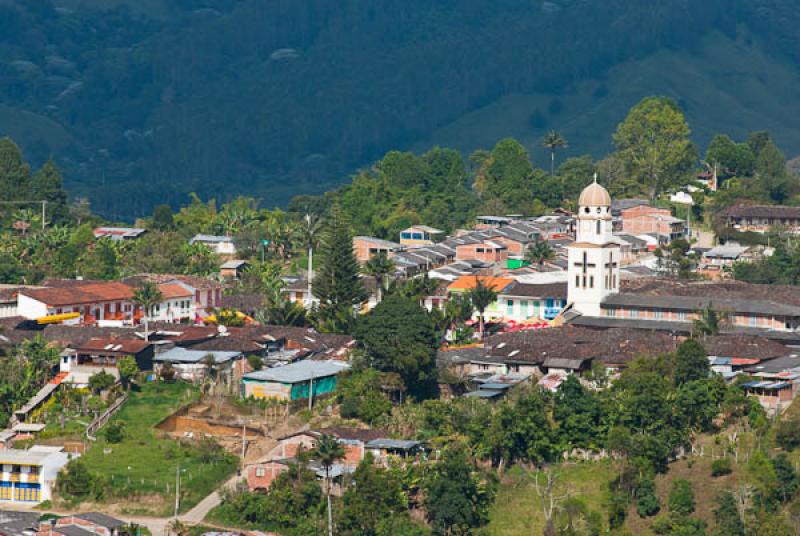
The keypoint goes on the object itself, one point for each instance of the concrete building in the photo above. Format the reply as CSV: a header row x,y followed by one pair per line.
x,y
644,219
85,360
190,365
366,247
92,302
28,476
418,235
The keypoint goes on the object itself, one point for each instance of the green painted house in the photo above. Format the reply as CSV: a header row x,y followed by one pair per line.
x,y
293,382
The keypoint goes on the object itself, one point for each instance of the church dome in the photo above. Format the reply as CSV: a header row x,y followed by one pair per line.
x,y
594,195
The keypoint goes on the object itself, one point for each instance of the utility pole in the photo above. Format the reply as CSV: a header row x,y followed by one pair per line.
x,y
311,391
244,441
177,490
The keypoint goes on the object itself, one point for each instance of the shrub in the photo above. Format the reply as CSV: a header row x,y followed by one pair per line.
x,y
646,501
788,434
101,381
721,467
662,525
681,498
115,432
255,362
75,480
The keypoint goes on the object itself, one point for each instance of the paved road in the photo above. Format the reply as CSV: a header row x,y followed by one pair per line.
x,y
201,510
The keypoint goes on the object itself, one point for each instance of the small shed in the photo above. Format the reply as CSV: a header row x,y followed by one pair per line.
x,y
233,269
296,381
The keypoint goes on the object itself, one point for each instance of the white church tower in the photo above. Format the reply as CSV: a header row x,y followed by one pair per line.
x,y
594,257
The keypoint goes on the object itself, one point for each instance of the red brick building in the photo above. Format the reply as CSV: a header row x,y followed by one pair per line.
x,y
644,219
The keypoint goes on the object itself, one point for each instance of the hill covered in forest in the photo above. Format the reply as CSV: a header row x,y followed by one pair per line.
x,y
142,102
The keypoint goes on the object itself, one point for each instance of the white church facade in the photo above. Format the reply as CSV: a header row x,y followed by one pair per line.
x,y
594,258
594,297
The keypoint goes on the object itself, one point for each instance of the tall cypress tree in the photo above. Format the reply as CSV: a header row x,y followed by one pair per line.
x,y
14,172
47,184
337,284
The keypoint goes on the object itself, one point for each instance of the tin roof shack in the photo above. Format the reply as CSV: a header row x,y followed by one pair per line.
x,y
293,382
96,354
383,449
775,382
190,365
119,233
28,476
729,355
233,269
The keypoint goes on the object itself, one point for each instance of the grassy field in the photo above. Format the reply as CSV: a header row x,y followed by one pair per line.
x,y
518,509
144,465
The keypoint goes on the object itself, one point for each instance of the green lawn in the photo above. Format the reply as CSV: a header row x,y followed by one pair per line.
x,y
142,468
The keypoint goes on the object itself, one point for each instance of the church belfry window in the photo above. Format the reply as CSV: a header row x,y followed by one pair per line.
x,y
598,227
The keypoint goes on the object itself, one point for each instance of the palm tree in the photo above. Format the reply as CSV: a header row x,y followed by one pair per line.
x,y
709,321
328,452
481,296
539,252
553,141
309,231
147,296
379,266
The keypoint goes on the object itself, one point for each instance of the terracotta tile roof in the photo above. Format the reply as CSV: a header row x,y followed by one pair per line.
x,y
536,290
171,291
8,293
467,282
194,281
744,346
113,345
615,345
247,302
81,293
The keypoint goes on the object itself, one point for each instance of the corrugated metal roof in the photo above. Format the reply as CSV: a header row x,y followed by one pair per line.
x,y
184,355
302,371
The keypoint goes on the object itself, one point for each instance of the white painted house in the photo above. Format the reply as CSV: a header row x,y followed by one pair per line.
x,y
95,302
221,245
178,304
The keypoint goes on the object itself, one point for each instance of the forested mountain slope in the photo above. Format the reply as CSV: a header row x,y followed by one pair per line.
x,y
145,101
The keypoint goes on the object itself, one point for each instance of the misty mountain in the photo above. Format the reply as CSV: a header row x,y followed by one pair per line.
x,y
142,102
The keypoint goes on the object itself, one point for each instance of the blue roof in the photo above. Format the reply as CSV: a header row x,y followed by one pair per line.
x,y
302,371
183,355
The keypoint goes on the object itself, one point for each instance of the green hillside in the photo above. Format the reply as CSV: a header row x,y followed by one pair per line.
x,y
727,85
142,102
